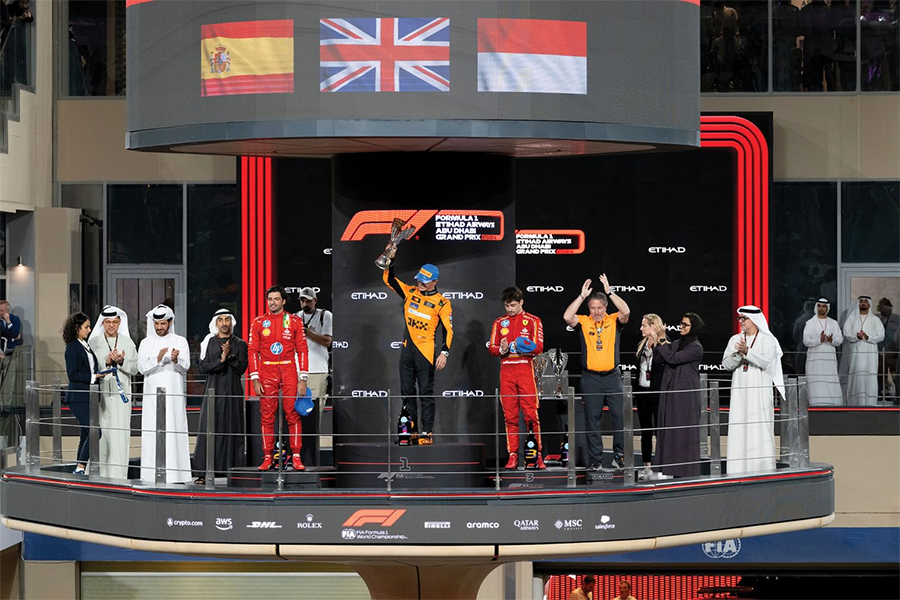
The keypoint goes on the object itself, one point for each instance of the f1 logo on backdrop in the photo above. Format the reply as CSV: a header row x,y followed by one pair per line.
x,y
377,222
381,517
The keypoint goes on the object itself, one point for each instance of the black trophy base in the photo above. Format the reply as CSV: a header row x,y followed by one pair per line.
x,y
411,467
311,479
551,477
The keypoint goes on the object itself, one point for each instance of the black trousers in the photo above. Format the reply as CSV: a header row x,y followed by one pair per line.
x,y
647,408
597,391
416,370
82,412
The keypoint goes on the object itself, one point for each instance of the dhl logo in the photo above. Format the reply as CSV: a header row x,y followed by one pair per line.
x,y
381,517
375,222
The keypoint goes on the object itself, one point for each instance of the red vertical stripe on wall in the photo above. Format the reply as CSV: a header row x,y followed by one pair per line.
x,y
268,239
245,247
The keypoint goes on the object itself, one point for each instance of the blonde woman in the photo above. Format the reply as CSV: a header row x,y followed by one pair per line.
x,y
650,374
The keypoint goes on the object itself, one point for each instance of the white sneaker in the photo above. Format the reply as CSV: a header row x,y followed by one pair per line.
x,y
660,476
646,474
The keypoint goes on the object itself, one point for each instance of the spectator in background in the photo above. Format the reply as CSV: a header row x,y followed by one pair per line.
x,y
318,325
585,590
822,335
888,348
81,368
809,311
650,376
11,382
624,591
864,334
818,46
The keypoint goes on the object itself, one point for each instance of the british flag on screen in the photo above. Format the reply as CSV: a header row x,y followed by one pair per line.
x,y
384,55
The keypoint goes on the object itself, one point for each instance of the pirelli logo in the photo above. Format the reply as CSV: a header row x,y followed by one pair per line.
x,y
378,517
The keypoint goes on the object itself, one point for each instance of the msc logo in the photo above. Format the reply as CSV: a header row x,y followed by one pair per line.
x,y
569,524
667,250
368,295
463,393
369,394
337,344
380,517
264,525
545,288
462,295
627,288
224,524
722,549
709,288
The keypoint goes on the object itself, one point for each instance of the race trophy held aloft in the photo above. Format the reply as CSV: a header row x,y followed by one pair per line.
x,y
398,234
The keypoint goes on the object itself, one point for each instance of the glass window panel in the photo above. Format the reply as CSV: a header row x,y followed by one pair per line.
x,y
214,255
89,198
803,260
145,224
16,40
827,45
880,48
870,222
734,46
96,48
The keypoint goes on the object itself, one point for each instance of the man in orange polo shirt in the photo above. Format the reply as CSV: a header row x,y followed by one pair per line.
x,y
601,382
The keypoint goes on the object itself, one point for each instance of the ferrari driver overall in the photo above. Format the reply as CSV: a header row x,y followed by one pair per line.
x,y
278,357
424,309
516,338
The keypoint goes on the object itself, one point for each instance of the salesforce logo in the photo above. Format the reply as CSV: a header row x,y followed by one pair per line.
x,y
463,295
709,288
667,250
545,289
368,295
722,549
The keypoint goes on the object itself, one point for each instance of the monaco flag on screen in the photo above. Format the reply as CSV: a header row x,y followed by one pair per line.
x,y
530,55
247,57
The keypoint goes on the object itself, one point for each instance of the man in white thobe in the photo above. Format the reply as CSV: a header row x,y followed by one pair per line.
x,y
864,331
754,357
113,347
822,335
164,358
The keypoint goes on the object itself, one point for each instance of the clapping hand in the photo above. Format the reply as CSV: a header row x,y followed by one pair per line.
x,y
605,281
226,350
175,354
586,288
161,354
741,345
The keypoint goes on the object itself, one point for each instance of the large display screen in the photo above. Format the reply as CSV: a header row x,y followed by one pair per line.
x,y
224,71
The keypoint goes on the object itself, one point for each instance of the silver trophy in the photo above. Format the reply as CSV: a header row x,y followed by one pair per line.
x,y
559,360
398,234
539,364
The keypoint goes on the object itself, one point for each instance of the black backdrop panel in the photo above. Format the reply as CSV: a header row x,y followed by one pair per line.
x,y
369,317
659,225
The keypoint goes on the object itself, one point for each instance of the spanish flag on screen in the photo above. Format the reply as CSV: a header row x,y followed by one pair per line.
x,y
247,57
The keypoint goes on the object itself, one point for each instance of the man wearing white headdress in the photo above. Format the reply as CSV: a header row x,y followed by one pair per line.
x,y
164,358
822,335
864,331
754,357
113,347
223,359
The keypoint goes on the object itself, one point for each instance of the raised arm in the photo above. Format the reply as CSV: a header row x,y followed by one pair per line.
x,y
571,314
621,306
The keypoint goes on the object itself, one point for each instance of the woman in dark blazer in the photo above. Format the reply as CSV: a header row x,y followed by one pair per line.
x,y
81,367
649,382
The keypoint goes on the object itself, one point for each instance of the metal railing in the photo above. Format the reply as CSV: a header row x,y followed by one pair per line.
x,y
792,451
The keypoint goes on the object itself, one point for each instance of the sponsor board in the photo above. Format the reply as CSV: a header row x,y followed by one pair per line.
x,y
264,525
437,524
183,523
467,227
463,393
463,295
712,368
545,289
549,241
355,530
627,288
527,524
569,524
296,289
369,394
667,250
224,523
309,523
709,288
605,523
340,344
450,225
482,525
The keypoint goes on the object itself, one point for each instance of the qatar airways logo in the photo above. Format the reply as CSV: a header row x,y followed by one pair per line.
x,y
667,250
545,289
463,393
709,288
368,295
463,295
369,394
627,288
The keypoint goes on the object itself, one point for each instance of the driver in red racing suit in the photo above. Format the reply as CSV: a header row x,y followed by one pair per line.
x,y
516,338
278,356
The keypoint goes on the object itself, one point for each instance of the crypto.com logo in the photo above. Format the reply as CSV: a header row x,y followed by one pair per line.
x,y
375,222
380,517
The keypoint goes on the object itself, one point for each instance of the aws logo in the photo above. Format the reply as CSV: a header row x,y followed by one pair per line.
x,y
709,288
545,289
368,295
379,517
667,250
